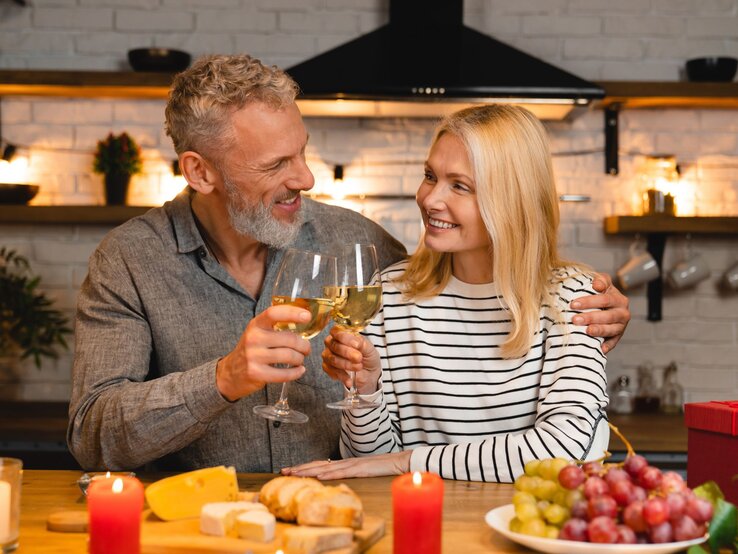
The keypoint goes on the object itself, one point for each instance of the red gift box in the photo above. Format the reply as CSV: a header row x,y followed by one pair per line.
x,y
712,448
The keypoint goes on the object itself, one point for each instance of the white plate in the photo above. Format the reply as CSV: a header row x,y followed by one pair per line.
x,y
499,520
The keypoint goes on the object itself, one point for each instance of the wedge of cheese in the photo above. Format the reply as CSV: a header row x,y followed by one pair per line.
x,y
256,525
219,518
183,496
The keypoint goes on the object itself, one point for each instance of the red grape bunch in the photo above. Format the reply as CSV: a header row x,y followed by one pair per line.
x,y
628,503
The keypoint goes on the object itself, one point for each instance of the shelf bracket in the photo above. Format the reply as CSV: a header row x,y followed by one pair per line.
x,y
655,243
612,113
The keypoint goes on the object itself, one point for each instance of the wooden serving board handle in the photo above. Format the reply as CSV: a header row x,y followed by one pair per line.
x,y
67,522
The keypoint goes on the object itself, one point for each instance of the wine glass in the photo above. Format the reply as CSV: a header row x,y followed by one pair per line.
x,y
306,280
357,300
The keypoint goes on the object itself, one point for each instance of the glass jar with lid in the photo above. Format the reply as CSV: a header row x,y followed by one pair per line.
x,y
622,399
647,399
659,179
672,393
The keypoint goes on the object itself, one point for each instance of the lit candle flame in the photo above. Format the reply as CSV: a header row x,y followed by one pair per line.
x,y
417,479
279,552
107,475
118,485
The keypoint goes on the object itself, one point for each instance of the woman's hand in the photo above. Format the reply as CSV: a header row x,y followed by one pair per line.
x,y
612,317
395,463
345,352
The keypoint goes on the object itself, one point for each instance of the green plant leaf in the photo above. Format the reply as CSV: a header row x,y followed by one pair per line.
x,y
28,322
710,491
724,526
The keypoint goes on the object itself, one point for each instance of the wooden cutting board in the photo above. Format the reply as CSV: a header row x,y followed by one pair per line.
x,y
184,537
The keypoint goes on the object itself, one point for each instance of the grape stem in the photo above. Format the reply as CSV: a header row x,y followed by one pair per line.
x,y
628,446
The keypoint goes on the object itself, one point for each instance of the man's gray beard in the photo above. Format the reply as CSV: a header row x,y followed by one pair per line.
x,y
257,221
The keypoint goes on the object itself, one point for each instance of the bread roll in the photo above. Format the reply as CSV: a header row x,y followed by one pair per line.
x,y
285,506
330,507
268,493
309,502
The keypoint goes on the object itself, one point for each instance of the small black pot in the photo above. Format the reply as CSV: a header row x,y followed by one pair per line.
x,y
116,188
715,69
164,60
16,193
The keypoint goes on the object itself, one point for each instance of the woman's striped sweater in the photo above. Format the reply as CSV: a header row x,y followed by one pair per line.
x,y
465,411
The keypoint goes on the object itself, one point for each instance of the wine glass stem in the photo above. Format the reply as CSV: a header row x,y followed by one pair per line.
x,y
353,394
281,406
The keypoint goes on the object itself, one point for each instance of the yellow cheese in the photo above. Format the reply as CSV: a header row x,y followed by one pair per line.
x,y
183,496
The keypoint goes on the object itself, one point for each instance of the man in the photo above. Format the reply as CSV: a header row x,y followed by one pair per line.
x,y
175,340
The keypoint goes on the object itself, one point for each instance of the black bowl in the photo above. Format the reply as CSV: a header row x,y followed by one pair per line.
x,y
17,194
719,70
163,60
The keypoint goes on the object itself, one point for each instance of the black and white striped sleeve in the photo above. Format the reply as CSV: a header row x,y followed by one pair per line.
x,y
372,431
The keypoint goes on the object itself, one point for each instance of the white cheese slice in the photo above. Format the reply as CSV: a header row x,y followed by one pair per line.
x,y
256,526
218,518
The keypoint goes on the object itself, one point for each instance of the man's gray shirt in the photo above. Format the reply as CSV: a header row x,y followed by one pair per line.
x,y
155,314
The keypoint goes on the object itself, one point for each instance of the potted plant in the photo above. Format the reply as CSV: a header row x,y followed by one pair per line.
x,y
117,157
29,325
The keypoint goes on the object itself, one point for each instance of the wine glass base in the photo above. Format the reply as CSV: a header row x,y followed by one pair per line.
x,y
353,404
279,414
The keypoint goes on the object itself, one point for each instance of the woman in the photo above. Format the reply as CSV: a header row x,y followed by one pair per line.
x,y
480,367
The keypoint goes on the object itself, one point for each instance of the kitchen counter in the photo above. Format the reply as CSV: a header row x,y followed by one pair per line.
x,y
47,421
465,504
650,432
36,433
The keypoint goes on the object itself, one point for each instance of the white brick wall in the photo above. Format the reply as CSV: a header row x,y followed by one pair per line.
x,y
598,39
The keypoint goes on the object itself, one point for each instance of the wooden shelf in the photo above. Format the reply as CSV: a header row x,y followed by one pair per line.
x,y
133,84
82,215
657,228
623,224
641,94
114,84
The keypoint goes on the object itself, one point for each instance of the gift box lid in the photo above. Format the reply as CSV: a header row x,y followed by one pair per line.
x,y
717,416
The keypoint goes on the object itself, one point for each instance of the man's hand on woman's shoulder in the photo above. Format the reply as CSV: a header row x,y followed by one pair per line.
x,y
611,313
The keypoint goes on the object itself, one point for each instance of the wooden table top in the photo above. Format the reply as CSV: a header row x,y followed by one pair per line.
x,y
465,504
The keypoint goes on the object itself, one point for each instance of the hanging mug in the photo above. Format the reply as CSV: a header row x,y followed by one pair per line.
x,y
690,271
641,268
730,277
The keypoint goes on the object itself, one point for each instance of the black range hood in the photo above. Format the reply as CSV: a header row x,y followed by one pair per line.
x,y
425,63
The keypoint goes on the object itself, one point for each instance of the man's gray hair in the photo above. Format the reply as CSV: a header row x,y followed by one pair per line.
x,y
203,97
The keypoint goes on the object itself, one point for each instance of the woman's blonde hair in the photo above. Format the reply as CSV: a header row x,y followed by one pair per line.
x,y
203,97
511,163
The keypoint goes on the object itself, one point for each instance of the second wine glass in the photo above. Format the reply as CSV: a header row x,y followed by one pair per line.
x,y
305,280
357,301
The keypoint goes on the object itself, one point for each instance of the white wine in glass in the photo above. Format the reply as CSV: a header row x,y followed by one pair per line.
x,y
305,280
358,299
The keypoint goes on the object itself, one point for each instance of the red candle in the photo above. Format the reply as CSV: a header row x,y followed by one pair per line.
x,y
114,507
417,505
